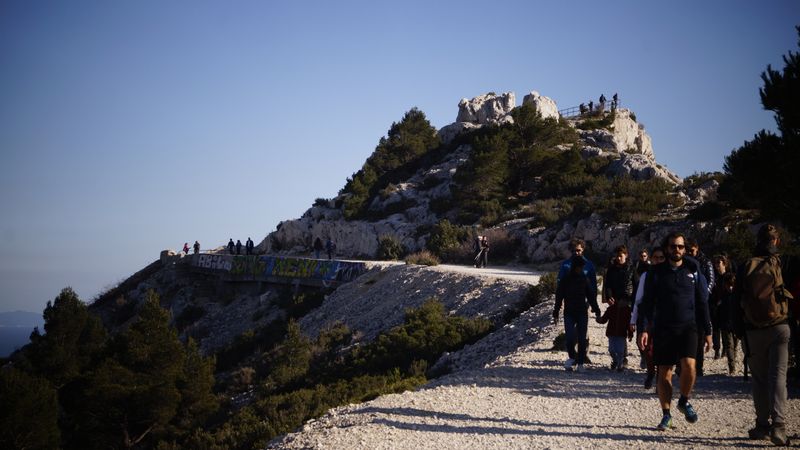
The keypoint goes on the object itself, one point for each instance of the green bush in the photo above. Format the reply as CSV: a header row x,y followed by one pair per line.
x,y
426,334
446,236
423,258
503,246
628,200
389,248
598,121
711,210
541,291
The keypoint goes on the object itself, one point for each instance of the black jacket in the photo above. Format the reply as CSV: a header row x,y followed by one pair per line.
x,y
675,298
577,293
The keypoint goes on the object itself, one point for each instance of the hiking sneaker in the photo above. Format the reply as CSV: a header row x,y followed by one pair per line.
x,y
688,412
569,363
778,435
665,424
580,369
759,433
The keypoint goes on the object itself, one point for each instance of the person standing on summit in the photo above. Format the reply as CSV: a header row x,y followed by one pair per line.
x,y
674,309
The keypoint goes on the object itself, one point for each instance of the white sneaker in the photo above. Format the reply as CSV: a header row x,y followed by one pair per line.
x,y
580,368
570,362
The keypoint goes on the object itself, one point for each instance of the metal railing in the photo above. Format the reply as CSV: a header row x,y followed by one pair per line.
x,y
575,111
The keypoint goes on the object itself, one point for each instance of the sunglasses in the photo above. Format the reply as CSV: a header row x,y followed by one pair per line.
x,y
677,246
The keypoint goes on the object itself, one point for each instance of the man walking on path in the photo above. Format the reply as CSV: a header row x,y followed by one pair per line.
x,y
577,246
196,247
675,310
763,300
577,295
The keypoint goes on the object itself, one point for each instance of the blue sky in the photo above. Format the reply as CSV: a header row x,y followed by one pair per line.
x,y
131,127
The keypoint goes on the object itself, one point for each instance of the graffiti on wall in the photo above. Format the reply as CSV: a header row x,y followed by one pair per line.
x,y
259,267
214,262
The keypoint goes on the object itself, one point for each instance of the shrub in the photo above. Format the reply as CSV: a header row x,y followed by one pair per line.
x,y
543,290
321,202
423,258
503,247
445,236
427,333
600,121
389,248
708,211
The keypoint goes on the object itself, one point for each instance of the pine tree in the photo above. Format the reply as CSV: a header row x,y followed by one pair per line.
x,y
29,412
762,173
406,141
150,386
73,338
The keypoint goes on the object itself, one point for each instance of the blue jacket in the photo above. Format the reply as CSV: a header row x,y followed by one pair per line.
x,y
675,299
588,270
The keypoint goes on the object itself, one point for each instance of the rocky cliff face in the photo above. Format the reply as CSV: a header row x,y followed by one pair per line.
x,y
623,141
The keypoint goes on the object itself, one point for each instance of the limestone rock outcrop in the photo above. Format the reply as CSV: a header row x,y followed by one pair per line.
x,y
545,105
487,108
641,167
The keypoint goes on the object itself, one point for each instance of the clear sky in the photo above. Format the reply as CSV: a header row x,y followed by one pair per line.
x,y
131,127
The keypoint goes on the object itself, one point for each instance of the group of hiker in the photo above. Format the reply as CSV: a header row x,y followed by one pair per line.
x,y
601,105
196,248
329,247
236,249
679,304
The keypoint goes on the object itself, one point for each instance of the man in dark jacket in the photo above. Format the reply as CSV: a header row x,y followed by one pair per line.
x,y
675,310
576,293
767,344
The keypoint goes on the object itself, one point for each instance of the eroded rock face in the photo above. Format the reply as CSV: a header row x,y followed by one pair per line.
x,y
552,244
629,136
486,109
545,105
641,167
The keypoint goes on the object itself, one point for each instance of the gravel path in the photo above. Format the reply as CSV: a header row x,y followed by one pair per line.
x,y
521,397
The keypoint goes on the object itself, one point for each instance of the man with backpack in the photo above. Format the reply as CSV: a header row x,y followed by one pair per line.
x,y
674,309
764,302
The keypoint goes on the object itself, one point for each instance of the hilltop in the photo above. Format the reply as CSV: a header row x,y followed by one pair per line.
x,y
526,174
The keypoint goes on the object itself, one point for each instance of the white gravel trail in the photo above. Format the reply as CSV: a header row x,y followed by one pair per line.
x,y
524,399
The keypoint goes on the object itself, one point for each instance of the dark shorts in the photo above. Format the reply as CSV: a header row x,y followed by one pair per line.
x,y
670,346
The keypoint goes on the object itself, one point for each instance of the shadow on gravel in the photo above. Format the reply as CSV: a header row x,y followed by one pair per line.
x,y
549,379
491,425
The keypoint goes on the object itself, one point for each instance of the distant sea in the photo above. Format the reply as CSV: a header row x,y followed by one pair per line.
x,y
12,338
16,328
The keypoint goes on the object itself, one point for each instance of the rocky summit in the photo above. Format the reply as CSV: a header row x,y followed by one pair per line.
x,y
412,205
